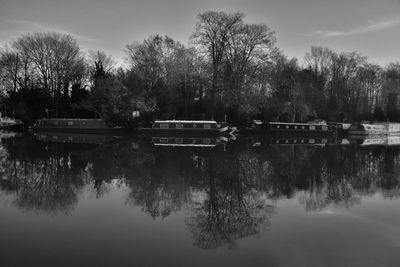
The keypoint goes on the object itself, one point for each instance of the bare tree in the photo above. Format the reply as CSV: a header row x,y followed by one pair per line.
x,y
54,58
212,34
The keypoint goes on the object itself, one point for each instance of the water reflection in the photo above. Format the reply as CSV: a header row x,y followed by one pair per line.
x,y
228,193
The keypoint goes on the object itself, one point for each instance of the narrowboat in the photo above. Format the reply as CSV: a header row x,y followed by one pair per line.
x,y
92,126
186,126
293,128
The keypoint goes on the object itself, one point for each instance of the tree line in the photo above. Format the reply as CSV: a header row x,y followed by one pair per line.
x,y
231,68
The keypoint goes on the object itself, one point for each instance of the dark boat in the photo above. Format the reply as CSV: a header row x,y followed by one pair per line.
x,y
314,127
90,126
186,126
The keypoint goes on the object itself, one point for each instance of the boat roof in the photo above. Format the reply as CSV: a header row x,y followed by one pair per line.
x,y
69,119
294,123
184,145
184,121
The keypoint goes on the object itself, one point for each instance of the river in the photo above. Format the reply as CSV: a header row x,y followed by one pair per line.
x,y
125,201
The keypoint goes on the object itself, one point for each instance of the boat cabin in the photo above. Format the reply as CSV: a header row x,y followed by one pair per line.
x,y
185,125
285,126
368,129
70,123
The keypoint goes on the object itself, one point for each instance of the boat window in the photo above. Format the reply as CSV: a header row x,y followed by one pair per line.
x,y
70,123
312,127
206,141
164,125
178,140
179,126
207,126
164,140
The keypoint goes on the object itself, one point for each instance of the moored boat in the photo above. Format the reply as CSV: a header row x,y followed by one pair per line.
x,y
68,125
386,128
293,128
186,126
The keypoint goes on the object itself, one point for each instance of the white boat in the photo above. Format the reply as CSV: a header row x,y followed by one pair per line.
x,y
386,128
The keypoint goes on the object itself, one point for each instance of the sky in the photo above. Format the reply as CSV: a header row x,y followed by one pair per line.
x,y
370,27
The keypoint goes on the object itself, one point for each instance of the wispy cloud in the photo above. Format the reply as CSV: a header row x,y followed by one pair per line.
x,y
369,27
24,26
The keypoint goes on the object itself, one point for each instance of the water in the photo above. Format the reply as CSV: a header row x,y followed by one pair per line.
x,y
96,201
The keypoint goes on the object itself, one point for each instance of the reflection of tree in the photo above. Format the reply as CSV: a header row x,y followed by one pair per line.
x,y
44,188
228,193
330,175
232,208
46,177
162,188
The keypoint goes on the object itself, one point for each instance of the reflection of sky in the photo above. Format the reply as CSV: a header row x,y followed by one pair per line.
x,y
107,231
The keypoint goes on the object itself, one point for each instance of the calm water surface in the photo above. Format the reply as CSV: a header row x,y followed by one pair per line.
x,y
95,201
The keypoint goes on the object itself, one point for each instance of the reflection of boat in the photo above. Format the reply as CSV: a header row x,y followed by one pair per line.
x,y
294,141
7,123
382,140
95,126
186,126
374,142
386,128
73,138
7,135
393,140
187,141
